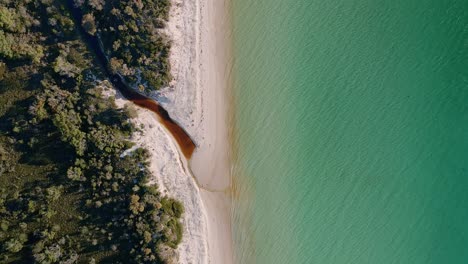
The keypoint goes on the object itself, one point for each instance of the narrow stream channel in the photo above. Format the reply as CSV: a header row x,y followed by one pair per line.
x,y
182,138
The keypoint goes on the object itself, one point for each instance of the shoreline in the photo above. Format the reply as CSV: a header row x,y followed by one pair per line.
x,y
211,162
198,99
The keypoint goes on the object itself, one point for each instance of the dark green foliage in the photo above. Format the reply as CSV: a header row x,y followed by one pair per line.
x,y
67,194
172,207
130,32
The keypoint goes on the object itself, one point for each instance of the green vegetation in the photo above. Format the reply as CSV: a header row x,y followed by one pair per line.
x,y
67,192
132,39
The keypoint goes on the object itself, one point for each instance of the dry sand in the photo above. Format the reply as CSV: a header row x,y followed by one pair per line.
x,y
198,100
210,163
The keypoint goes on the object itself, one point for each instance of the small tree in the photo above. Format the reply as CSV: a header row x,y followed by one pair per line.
x,y
89,24
13,245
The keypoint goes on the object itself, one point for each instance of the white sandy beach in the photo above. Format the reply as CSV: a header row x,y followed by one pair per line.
x,y
197,99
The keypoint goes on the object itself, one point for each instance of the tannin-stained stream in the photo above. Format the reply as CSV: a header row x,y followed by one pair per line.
x,y
186,144
182,138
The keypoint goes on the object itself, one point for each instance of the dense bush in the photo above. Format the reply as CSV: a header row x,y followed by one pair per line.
x,y
131,34
67,193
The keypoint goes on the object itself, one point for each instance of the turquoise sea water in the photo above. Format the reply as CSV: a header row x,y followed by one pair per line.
x,y
351,127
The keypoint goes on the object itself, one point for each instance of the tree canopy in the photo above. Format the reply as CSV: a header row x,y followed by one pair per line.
x,y
67,194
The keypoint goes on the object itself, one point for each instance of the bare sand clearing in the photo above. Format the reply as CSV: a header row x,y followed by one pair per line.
x,y
170,172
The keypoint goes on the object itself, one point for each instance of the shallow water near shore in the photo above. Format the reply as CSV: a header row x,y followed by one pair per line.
x,y
351,130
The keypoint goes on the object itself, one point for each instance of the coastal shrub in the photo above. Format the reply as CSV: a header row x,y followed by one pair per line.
x,y
172,207
130,111
173,234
